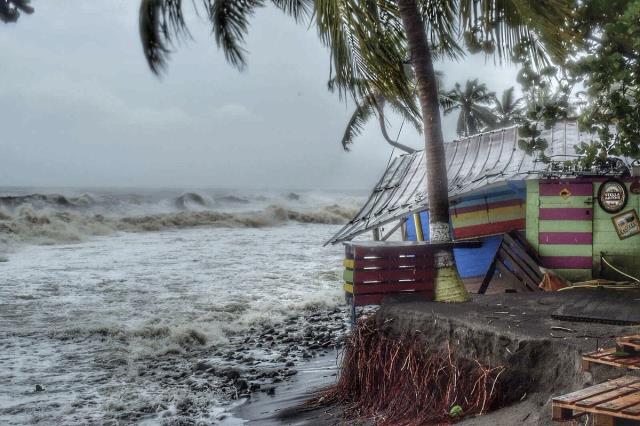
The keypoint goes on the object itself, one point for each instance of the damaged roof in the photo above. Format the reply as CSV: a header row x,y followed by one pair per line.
x,y
473,163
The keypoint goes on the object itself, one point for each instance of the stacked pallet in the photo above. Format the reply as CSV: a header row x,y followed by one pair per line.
x,y
607,402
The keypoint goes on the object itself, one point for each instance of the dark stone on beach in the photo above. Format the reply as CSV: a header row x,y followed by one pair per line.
x,y
269,390
202,366
291,372
241,385
39,388
290,364
281,359
306,355
231,374
254,387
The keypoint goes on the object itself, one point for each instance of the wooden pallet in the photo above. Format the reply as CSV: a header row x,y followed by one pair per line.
x,y
607,402
607,357
630,344
517,262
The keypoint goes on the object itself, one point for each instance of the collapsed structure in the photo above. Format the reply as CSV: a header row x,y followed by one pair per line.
x,y
577,222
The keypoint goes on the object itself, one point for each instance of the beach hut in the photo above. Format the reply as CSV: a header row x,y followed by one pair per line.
x,y
580,223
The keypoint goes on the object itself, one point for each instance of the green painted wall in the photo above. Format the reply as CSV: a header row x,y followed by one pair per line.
x,y
623,254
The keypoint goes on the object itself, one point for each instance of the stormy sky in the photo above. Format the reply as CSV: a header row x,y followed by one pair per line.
x,y
80,108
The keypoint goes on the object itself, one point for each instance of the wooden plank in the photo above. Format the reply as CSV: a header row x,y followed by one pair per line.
x,y
600,354
520,249
620,403
567,262
556,188
568,214
595,390
633,410
565,238
488,277
376,299
530,268
517,269
393,288
511,277
388,275
603,397
396,263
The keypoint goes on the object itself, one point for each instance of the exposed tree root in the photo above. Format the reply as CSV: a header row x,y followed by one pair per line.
x,y
397,380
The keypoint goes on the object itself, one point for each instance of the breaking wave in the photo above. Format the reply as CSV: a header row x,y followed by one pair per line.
x,y
52,219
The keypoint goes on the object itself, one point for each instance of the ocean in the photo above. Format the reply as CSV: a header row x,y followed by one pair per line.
x,y
162,306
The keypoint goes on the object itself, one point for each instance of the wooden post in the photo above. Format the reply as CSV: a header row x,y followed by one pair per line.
x,y
418,222
376,234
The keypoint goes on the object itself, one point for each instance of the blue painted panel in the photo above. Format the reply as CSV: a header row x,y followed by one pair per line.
x,y
475,262
411,227
471,262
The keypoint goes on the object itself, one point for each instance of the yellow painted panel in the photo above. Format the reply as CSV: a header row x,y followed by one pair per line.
x,y
481,217
348,288
349,263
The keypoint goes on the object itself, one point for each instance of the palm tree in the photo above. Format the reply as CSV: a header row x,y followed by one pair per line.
x,y
369,41
10,9
473,106
373,105
507,109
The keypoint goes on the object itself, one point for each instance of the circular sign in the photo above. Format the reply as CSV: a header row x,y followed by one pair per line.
x,y
612,196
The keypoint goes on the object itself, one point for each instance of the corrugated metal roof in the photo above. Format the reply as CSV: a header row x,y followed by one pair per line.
x,y
473,164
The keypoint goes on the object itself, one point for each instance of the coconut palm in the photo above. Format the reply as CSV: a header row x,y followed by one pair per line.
x,y
507,110
369,43
10,9
473,105
373,105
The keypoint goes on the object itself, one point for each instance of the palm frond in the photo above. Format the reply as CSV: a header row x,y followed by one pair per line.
x,y
406,112
230,24
365,46
300,10
161,23
501,27
356,124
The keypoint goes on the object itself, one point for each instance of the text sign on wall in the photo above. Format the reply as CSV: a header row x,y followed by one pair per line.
x,y
612,196
626,224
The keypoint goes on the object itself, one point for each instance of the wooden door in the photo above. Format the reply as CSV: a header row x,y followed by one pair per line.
x,y
565,228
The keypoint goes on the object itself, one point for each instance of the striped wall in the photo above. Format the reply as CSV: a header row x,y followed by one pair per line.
x,y
499,210
495,212
560,217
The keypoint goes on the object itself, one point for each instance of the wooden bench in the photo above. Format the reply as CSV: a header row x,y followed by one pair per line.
x,y
613,402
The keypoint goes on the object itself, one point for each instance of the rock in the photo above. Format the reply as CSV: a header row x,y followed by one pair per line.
x,y
270,390
231,374
202,366
241,385
290,364
306,355
39,388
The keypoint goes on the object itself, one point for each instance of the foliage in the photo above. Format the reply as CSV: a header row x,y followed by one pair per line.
x,y
10,9
606,46
610,70
473,103
507,110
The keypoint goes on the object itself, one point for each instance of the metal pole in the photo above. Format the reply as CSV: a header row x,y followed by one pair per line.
x,y
418,222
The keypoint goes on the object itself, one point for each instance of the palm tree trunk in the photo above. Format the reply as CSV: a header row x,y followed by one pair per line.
x,y
449,286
